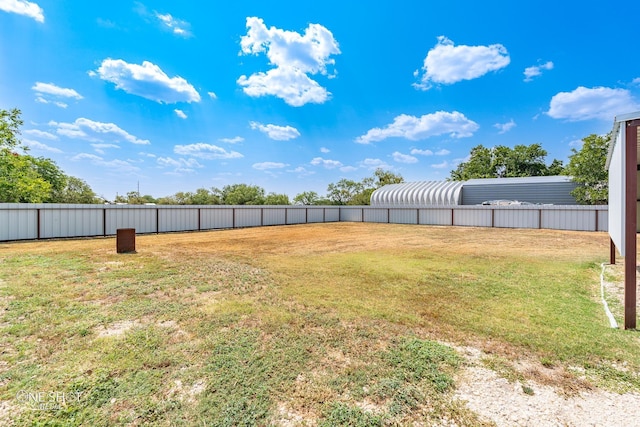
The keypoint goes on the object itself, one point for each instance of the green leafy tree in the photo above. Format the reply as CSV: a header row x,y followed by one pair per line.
x,y
344,191
10,123
306,198
76,191
502,162
20,181
134,198
349,192
240,194
28,179
587,167
276,199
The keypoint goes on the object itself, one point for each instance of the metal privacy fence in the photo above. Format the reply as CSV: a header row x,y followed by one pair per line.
x,y
21,221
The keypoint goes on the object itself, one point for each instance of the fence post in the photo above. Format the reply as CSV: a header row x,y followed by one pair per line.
x,y
38,223
104,222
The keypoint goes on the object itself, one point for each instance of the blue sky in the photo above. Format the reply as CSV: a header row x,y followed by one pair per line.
x,y
181,95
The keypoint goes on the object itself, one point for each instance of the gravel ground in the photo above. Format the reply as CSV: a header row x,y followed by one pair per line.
x,y
506,403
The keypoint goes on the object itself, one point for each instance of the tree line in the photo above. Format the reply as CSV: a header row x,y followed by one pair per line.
x,y
28,179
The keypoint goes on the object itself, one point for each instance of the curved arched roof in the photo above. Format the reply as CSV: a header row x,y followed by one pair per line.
x,y
439,193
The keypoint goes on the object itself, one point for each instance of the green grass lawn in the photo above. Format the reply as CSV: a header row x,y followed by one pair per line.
x,y
325,324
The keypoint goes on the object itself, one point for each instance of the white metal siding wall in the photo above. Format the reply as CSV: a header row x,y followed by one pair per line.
x,y
617,190
211,218
19,221
296,215
18,224
376,215
315,215
178,219
332,214
143,220
580,220
472,217
275,216
350,214
516,218
248,217
403,216
435,216
603,221
70,221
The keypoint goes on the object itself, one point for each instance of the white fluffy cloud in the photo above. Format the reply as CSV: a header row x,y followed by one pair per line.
x,y
181,165
40,134
403,158
23,7
454,124
591,103
206,151
177,26
536,70
294,57
269,165
278,133
180,113
447,64
36,145
233,140
505,127
90,130
45,92
329,164
148,81
442,152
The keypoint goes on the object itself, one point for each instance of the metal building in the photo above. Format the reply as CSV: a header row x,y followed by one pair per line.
x,y
553,190
433,193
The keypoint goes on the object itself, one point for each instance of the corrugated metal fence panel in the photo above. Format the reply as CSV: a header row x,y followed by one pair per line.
x,y
71,221
375,215
248,217
296,215
332,214
403,216
569,219
603,220
315,215
178,219
350,214
435,216
217,217
274,216
18,224
472,217
516,218
142,219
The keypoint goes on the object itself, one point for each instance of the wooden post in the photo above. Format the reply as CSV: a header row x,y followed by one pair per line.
x,y
631,200
612,252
